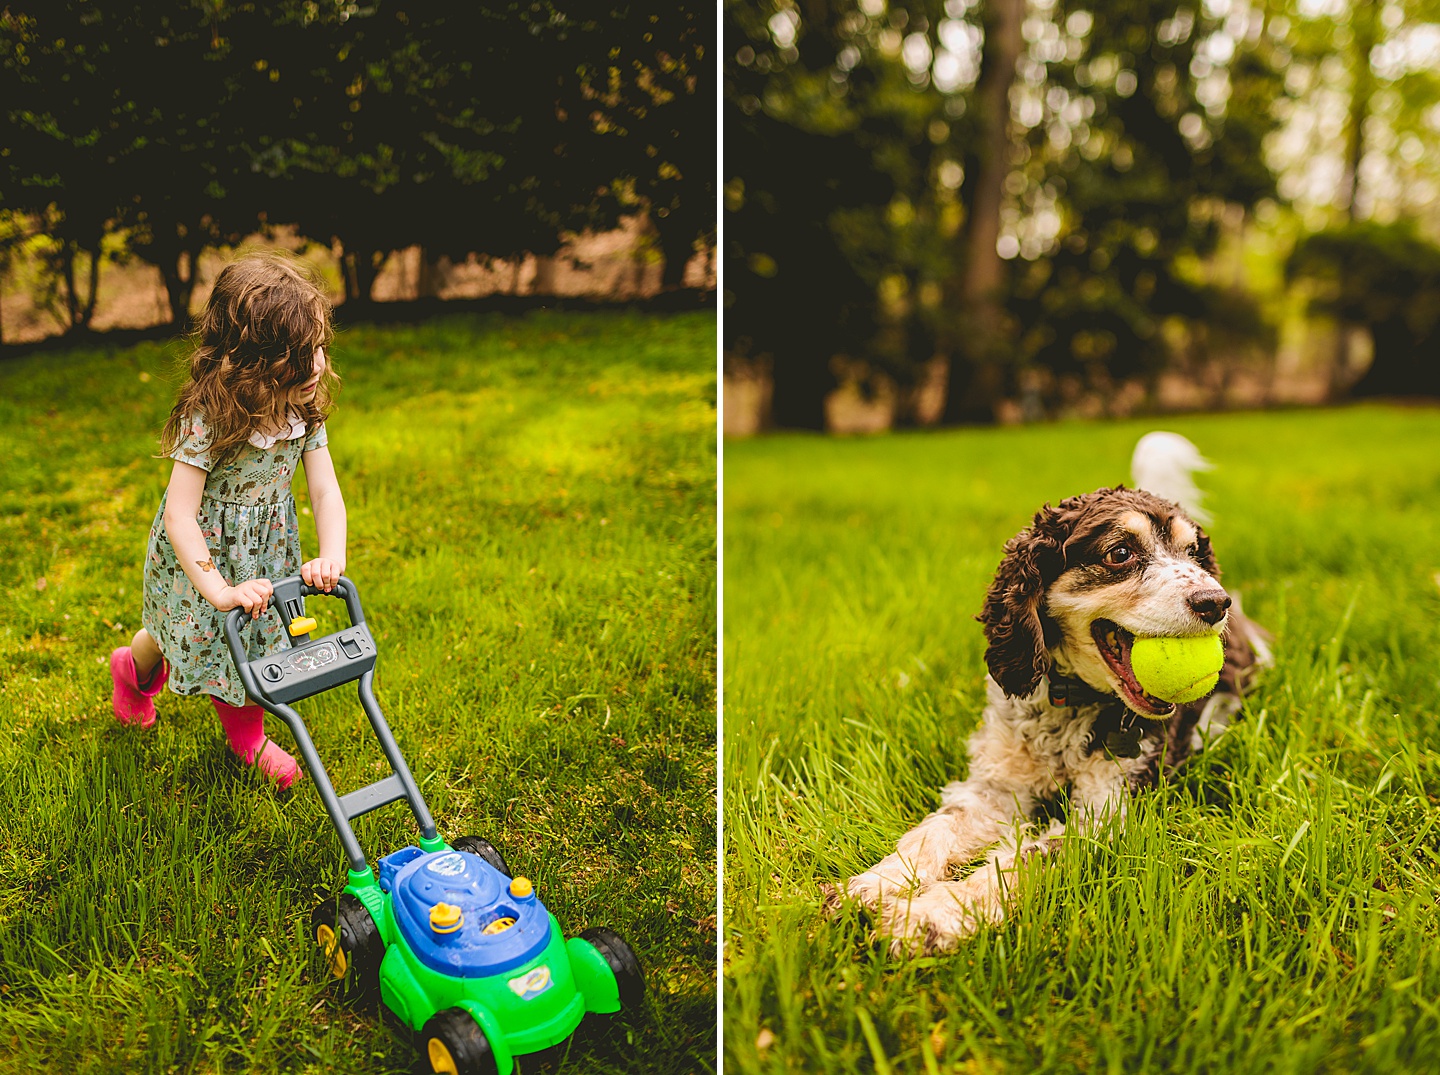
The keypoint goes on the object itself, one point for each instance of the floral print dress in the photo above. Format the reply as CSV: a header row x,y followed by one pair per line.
x,y
247,515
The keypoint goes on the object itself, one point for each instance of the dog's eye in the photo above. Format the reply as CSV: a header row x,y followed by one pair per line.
x,y
1120,554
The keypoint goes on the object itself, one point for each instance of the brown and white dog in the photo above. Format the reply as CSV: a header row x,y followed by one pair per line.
x,y
1064,712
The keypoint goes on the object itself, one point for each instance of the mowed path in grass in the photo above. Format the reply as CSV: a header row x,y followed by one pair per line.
x,y
1271,909
532,527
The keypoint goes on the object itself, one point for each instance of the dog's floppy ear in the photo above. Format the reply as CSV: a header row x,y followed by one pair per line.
x,y
1016,655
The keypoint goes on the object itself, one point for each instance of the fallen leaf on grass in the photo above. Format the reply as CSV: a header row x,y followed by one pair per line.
x,y
938,1038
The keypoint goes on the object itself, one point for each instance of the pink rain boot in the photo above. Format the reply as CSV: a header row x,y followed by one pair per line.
x,y
245,728
134,703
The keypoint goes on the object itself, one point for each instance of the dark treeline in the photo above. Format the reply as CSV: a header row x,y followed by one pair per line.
x,y
1036,193
465,128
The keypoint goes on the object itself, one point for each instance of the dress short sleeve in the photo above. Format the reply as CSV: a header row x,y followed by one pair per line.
x,y
194,446
317,438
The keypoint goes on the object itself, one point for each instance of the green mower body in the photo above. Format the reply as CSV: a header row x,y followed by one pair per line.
x,y
502,960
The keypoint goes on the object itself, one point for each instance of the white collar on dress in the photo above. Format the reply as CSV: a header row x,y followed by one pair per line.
x,y
265,442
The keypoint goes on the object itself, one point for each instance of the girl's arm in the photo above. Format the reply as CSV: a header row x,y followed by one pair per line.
x,y
329,508
182,505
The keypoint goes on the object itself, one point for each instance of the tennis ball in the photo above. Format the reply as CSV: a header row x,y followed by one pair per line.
x,y
1178,669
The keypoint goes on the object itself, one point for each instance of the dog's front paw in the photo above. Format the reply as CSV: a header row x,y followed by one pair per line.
x,y
1038,849
913,937
907,929
870,888
942,916
889,877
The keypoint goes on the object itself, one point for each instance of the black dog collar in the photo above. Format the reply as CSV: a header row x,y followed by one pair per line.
x,y
1117,730
1066,691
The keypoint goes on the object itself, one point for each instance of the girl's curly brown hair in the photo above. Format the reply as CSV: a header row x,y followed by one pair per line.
x,y
255,344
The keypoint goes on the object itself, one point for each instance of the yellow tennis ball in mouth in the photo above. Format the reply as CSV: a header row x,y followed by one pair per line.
x,y
1178,669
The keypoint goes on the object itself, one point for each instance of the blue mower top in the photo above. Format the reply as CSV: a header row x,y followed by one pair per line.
x,y
460,915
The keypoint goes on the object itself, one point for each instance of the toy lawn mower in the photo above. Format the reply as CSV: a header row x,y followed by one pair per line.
x,y
454,945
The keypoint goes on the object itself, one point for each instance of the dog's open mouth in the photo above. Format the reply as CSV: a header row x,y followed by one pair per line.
x,y
1114,643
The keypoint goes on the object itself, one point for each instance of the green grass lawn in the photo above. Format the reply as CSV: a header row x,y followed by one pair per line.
x,y
532,527
1272,909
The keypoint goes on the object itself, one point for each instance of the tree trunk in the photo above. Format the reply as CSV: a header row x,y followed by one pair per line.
x,y
427,281
174,293
367,267
800,381
88,310
1403,365
976,372
677,232
677,259
358,268
67,273
347,276
545,269
920,347
179,288
1362,87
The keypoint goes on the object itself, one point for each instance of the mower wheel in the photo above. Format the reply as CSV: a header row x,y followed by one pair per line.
x,y
351,943
454,1044
485,849
623,964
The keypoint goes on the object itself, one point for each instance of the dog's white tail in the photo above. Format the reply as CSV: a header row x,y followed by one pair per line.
x,y
1164,464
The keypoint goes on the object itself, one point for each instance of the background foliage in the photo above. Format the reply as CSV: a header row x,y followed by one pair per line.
x,y
464,128
1050,195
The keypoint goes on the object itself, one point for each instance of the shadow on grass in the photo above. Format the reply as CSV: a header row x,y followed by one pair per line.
x,y
403,312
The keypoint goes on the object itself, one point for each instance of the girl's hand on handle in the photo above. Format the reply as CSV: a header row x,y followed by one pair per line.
x,y
253,596
321,573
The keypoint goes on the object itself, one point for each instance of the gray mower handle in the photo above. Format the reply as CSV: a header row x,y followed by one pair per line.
x,y
287,602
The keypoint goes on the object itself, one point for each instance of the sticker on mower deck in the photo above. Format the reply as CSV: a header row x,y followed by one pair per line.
x,y
310,659
532,984
447,865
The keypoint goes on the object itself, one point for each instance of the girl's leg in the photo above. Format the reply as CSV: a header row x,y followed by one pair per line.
x,y
245,729
138,672
145,653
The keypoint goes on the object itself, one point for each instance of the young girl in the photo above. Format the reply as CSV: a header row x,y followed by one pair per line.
x,y
254,406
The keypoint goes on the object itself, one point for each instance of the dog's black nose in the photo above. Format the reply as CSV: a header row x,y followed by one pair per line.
x,y
1209,605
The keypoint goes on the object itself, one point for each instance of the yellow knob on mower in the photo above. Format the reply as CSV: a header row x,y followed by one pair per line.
x,y
302,625
446,918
